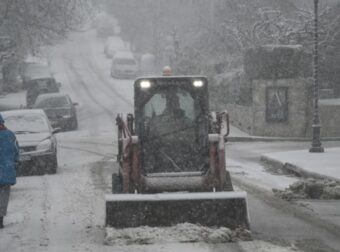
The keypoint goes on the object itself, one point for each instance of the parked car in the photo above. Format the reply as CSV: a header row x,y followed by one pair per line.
x,y
37,142
32,71
59,109
39,86
113,45
124,65
105,29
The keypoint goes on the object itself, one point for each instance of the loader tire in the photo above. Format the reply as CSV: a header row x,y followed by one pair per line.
x,y
229,185
116,183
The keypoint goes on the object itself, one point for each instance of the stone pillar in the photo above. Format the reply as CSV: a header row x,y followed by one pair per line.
x,y
280,90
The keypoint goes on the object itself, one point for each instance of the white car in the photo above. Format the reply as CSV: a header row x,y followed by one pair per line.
x,y
37,142
112,45
124,65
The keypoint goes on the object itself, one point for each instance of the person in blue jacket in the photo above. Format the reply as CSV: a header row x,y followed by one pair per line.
x,y
9,152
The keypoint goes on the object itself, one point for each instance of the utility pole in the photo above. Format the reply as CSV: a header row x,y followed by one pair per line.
x,y
316,127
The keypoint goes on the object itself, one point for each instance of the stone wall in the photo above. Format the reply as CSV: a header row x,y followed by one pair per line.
x,y
330,117
252,119
280,72
241,117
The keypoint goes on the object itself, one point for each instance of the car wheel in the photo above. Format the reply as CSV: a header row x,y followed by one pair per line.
x,y
53,165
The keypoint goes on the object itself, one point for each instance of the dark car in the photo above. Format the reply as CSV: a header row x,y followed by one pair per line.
x,y
105,29
31,71
37,142
39,86
59,109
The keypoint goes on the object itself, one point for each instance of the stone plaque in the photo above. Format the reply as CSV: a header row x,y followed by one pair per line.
x,y
277,104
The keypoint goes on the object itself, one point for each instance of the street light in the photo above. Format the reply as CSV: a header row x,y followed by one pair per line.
x,y
316,143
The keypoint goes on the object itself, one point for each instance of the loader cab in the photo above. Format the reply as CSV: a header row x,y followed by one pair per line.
x,y
172,123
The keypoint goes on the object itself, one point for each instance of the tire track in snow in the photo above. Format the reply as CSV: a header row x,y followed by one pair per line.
x,y
107,84
46,207
84,55
94,57
32,202
88,92
72,83
84,150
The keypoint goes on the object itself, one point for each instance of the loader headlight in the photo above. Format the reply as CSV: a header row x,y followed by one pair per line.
x,y
198,83
145,84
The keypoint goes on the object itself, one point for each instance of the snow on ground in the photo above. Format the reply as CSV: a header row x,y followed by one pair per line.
x,y
13,100
186,237
180,233
262,246
56,212
330,102
325,164
255,174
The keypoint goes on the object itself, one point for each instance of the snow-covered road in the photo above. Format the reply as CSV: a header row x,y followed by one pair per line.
x,y
65,211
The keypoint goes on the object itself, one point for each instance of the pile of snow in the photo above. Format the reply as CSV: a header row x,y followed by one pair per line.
x,y
310,189
181,233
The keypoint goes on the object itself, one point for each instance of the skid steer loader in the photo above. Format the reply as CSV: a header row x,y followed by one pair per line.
x,y
171,160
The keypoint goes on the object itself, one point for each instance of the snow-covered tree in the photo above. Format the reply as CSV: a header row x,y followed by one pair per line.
x,y
34,23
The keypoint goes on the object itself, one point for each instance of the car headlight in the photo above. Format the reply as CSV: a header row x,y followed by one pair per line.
x,y
44,145
66,116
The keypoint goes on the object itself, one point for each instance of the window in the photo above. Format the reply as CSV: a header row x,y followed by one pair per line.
x,y
178,99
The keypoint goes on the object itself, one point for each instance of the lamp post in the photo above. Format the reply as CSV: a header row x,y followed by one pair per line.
x,y
316,143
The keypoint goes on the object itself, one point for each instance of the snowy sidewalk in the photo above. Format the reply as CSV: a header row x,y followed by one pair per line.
x,y
12,101
317,165
237,135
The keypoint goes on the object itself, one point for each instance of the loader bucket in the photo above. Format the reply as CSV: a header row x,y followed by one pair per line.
x,y
228,209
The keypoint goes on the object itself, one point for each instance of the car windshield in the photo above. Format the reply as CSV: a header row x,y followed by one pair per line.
x,y
27,123
125,61
53,102
43,82
37,70
159,101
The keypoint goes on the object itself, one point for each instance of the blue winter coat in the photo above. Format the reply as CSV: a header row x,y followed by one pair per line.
x,y
9,153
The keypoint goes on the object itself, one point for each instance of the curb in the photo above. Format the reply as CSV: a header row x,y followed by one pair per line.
x,y
276,139
292,168
264,139
5,107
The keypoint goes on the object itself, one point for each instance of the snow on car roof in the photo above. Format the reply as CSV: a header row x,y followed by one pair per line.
x,y
37,78
46,96
113,39
49,95
124,54
17,112
36,70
